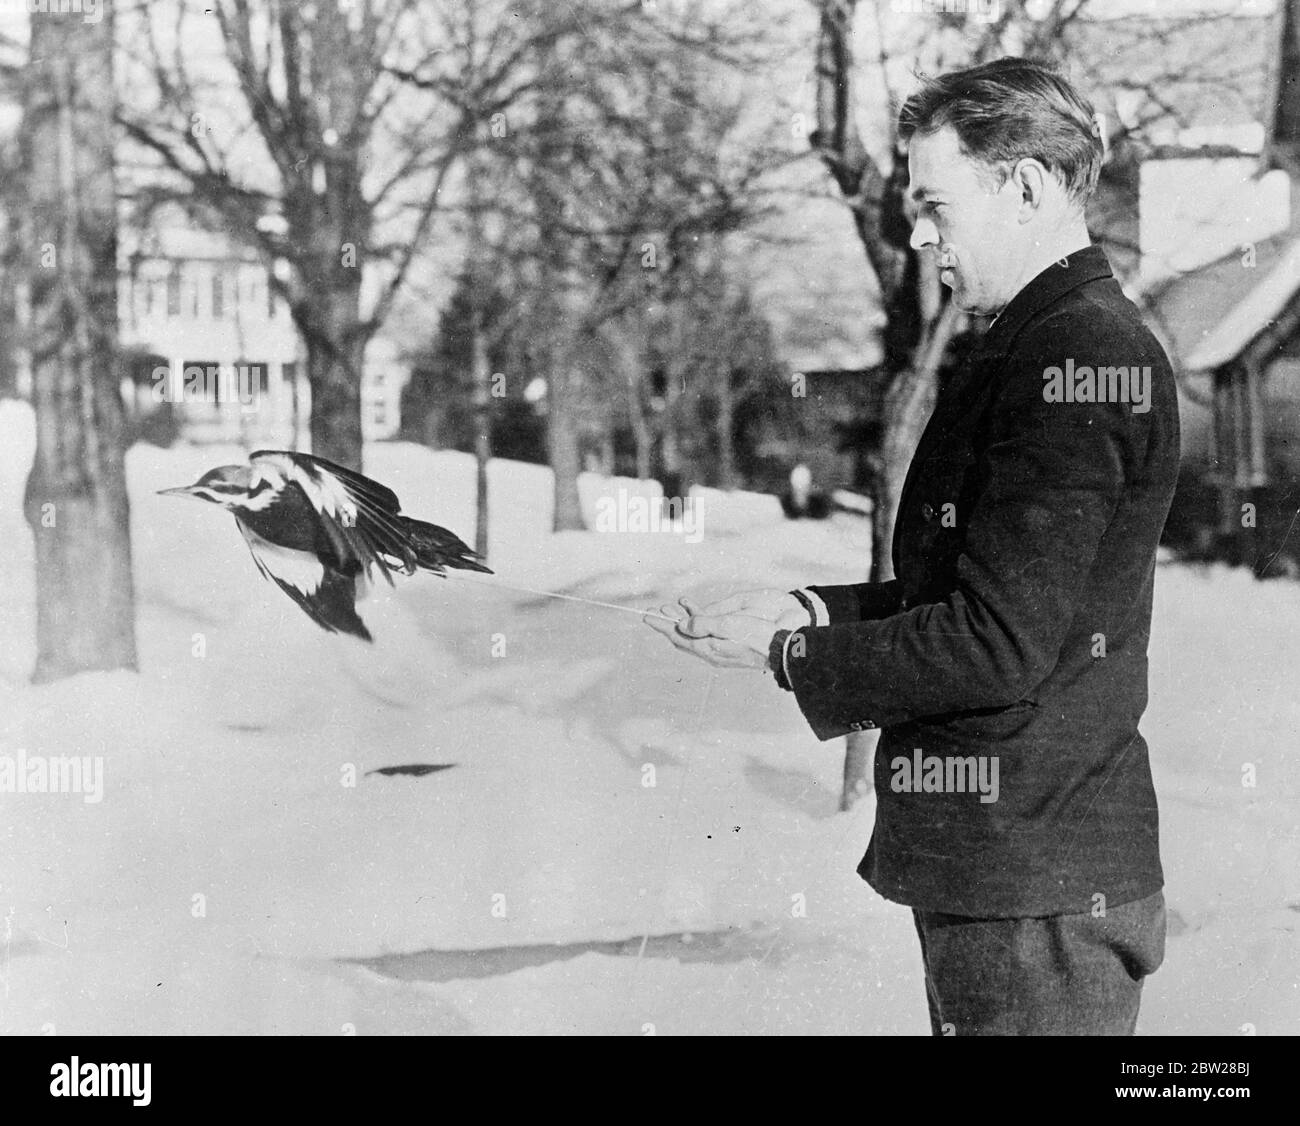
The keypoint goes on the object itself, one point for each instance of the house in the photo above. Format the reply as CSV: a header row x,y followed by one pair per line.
x,y
809,278
212,352
1232,323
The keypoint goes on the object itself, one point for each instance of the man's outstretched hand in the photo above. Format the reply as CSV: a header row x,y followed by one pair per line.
x,y
733,632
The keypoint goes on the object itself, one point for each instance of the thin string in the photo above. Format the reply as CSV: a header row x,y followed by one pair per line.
x,y
555,594
495,582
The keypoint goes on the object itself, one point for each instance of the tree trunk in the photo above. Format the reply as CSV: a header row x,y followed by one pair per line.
x,y
631,360
859,750
76,499
908,405
673,469
644,448
335,356
877,204
726,437
563,444
329,216
556,326
482,432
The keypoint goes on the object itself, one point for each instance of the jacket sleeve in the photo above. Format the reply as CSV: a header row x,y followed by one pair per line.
x,y
1051,477
860,602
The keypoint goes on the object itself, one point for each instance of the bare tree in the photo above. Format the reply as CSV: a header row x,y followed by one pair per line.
x,y
338,150
76,499
601,178
647,169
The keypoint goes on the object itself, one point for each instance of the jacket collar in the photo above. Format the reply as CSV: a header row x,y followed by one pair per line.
x,y
1086,264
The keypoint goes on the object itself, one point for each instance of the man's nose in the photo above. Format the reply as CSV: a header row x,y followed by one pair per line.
x,y
924,234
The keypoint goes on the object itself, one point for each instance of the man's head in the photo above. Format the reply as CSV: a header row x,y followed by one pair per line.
x,y
1002,159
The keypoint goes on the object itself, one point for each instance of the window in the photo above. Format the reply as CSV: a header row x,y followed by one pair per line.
x,y
174,291
218,294
155,296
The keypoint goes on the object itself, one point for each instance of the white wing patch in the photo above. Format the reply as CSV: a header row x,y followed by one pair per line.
x,y
271,474
331,497
326,493
300,569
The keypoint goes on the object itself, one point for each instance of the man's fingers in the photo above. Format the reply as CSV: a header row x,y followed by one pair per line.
x,y
688,624
729,605
712,638
716,651
659,625
731,626
675,633
703,625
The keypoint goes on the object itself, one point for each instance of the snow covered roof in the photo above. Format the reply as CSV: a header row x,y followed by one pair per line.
x,y
1259,308
1211,315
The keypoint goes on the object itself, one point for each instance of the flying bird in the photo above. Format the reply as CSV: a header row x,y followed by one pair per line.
x,y
318,530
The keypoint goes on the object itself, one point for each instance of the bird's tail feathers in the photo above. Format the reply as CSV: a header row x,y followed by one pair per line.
x,y
436,548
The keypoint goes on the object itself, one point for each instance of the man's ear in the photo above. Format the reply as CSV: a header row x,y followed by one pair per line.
x,y
1030,180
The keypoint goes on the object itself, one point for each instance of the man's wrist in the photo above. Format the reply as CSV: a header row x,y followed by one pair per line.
x,y
776,658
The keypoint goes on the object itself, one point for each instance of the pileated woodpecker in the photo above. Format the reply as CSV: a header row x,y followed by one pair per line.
x,y
317,529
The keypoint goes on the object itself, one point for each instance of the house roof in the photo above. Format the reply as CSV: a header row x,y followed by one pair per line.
x,y
1211,315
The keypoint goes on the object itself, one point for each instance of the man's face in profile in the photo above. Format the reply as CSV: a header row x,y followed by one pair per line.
x,y
974,229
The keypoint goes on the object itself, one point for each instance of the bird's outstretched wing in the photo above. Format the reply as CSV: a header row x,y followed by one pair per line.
x,y
359,516
327,595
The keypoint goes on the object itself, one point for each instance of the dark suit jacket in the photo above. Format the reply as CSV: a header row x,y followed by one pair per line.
x,y
1017,625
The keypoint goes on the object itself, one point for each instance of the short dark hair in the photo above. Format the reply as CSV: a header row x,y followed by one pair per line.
x,y
1010,109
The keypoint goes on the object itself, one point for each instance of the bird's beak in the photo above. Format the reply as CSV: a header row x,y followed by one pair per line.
x,y
182,491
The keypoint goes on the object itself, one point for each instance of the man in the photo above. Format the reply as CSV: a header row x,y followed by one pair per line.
x,y
1006,663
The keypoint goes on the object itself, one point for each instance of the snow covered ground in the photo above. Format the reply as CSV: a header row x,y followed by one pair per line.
x,y
246,871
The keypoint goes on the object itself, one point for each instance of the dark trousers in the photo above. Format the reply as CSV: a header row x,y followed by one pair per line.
x,y
1064,975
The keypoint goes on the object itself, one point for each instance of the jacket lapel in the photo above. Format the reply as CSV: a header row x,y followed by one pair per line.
x,y
969,377
989,355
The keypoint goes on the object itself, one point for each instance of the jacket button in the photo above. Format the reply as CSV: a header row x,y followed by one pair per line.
x,y
928,511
